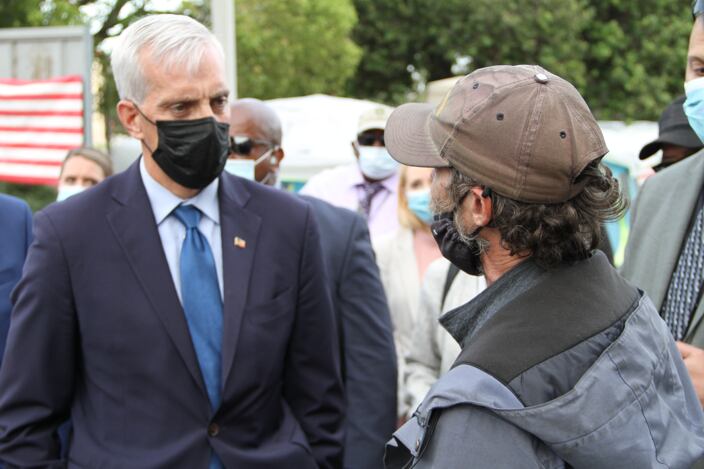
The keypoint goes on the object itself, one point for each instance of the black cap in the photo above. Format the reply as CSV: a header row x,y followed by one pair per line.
x,y
673,129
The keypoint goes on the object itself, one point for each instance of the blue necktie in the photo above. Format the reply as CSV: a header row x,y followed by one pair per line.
x,y
200,296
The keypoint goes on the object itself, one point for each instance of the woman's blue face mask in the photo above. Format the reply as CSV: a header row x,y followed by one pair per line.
x,y
419,204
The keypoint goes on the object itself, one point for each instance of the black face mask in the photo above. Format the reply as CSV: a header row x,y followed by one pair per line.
x,y
464,255
191,152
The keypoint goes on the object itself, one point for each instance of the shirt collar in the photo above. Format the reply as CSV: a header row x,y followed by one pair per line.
x,y
463,321
164,202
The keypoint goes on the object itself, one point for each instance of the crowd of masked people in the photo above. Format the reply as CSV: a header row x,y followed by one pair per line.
x,y
447,300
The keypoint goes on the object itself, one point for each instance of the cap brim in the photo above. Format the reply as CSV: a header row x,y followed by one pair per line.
x,y
371,125
680,137
407,137
650,149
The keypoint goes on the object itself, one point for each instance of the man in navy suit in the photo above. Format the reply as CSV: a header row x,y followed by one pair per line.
x,y
366,334
178,316
15,238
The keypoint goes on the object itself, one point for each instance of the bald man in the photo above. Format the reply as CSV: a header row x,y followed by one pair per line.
x,y
366,338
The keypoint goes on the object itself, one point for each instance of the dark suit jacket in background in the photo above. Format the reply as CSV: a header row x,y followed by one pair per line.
x,y
15,238
660,225
367,344
98,334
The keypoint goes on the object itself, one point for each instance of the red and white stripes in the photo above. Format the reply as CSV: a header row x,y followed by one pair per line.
x,y
39,122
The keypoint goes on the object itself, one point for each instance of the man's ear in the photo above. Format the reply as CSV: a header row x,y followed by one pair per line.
x,y
128,114
480,206
355,148
279,155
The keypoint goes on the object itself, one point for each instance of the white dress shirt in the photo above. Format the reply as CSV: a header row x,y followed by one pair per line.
x,y
171,230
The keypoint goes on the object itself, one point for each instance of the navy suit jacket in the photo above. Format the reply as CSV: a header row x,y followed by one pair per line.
x,y
367,342
98,335
15,238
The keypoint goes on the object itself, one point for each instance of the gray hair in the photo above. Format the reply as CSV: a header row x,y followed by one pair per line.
x,y
264,117
171,40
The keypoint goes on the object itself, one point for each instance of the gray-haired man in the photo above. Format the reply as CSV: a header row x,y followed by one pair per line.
x,y
170,311
563,362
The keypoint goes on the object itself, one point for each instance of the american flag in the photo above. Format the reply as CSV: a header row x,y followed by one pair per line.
x,y
39,122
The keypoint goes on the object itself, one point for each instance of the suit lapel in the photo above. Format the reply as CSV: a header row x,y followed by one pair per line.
x,y
667,216
136,231
670,207
697,181
692,330
239,231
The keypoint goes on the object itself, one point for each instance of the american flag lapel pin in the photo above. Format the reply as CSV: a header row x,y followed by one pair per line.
x,y
239,242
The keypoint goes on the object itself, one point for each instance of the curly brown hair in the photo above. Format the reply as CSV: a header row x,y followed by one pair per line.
x,y
553,234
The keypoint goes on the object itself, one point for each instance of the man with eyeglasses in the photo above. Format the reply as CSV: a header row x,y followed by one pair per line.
x,y
255,145
368,186
665,252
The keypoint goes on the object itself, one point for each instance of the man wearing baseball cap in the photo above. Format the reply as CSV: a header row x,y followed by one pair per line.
x,y
676,139
563,362
368,186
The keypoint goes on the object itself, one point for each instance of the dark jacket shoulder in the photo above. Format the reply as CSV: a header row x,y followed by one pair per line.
x,y
12,207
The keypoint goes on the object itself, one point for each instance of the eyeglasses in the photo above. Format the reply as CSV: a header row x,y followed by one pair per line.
x,y
243,146
697,8
367,140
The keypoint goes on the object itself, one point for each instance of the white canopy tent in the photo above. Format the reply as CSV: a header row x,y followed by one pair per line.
x,y
625,141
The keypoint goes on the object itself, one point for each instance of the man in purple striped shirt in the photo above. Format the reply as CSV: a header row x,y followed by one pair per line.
x,y
370,185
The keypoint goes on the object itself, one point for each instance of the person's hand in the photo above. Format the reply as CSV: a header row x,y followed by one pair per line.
x,y
694,361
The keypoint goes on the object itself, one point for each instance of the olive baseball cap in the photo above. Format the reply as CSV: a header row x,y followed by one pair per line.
x,y
518,129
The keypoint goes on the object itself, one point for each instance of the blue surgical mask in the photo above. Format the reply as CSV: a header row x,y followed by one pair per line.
x,y
376,163
419,204
65,191
694,105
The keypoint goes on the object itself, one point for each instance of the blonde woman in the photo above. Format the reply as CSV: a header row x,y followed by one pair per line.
x,y
403,258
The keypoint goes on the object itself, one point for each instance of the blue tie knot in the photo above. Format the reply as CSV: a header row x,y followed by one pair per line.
x,y
188,215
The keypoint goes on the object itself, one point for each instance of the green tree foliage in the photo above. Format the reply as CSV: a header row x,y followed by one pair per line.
x,y
37,197
636,56
17,13
294,47
626,57
429,37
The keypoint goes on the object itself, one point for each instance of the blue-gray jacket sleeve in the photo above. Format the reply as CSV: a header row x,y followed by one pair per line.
x,y
369,356
473,437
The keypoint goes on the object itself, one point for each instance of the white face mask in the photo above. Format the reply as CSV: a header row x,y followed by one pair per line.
x,y
241,168
245,168
66,191
376,163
